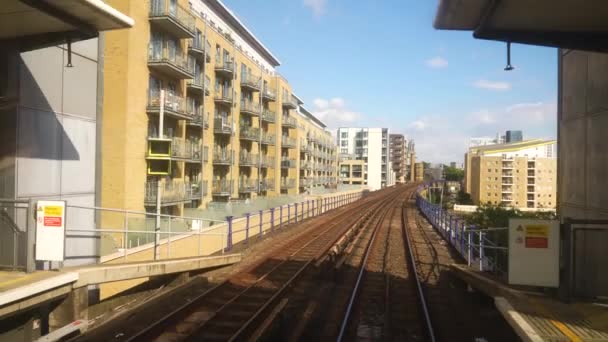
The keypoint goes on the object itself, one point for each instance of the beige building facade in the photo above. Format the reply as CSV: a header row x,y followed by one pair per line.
x,y
195,112
518,175
351,171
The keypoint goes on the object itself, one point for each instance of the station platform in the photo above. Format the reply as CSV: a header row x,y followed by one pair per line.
x,y
538,317
21,291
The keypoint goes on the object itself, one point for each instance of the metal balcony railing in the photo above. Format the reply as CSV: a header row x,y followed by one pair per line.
x,y
250,81
186,149
289,121
289,101
222,126
268,115
249,107
266,184
222,187
222,157
248,185
288,142
198,50
248,159
268,139
174,104
226,66
288,163
267,161
225,96
159,55
288,183
172,191
249,133
269,93
179,20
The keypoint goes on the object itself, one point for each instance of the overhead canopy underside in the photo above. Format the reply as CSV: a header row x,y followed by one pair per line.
x,y
573,24
36,21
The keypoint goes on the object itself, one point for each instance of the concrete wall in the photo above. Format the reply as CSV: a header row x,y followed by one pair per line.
x,y
583,159
49,137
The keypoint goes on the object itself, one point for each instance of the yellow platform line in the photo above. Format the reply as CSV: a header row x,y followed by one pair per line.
x,y
559,325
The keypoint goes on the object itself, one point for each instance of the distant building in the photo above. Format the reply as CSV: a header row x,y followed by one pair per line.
x,y
419,172
370,145
399,152
482,141
513,136
519,175
453,164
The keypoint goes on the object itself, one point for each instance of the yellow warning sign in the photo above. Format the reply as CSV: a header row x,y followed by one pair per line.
x,y
53,210
537,230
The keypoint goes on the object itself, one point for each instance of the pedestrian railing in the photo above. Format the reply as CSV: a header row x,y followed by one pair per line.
x,y
477,245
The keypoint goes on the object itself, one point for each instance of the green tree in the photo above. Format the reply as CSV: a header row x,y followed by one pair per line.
x,y
464,198
453,174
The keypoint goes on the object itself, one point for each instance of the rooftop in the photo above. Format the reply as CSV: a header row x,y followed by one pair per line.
x,y
511,146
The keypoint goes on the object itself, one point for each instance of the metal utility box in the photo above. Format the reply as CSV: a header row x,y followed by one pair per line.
x,y
534,252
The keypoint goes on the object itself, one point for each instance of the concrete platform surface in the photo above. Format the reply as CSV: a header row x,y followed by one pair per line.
x,y
537,317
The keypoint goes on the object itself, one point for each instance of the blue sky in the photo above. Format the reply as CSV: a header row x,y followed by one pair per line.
x,y
381,63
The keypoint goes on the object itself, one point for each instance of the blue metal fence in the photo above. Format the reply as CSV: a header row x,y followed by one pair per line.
x,y
471,242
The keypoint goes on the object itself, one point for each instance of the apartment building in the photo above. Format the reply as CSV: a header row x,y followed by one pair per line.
x,y
372,146
351,171
196,112
398,152
519,175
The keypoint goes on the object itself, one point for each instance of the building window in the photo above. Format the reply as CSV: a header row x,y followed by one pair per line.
x,y
344,135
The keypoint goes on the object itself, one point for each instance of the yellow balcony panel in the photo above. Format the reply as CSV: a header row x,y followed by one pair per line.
x,y
172,18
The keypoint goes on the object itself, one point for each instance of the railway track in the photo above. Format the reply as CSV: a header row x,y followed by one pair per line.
x,y
235,308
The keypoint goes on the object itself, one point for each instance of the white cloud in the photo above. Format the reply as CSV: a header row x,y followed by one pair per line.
x,y
437,62
334,112
492,85
445,138
318,7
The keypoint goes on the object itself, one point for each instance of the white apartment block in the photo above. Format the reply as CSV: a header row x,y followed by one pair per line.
x,y
372,146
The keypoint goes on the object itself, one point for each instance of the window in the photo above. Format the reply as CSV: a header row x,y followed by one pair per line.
x,y
344,143
344,135
344,150
489,170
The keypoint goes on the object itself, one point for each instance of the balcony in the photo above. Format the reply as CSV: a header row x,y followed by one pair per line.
x,y
289,102
530,189
198,51
222,126
221,187
224,97
249,133
269,94
251,108
222,157
266,184
170,62
172,192
304,147
248,159
531,174
188,150
289,122
507,174
287,163
288,183
287,142
268,115
197,87
248,186
267,162
174,105
225,68
507,189
507,165
268,139
251,82
199,118
172,18
304,165
305,182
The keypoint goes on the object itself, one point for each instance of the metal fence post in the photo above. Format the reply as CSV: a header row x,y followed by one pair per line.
x,y
313,207
261,222
229,235
247,217
125,236
288,213
481,251
272,219
30,262
281,216
307,208
470,248
296,212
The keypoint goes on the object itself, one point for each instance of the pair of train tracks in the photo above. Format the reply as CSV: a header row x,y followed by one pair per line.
x,y
244,305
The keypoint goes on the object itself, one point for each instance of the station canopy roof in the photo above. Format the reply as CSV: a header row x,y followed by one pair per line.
x,y
572,24
50,21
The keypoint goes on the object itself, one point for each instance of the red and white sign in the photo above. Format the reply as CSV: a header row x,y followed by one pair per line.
x,y
50,230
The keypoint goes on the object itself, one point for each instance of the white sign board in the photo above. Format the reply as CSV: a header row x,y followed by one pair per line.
x,y
50,230
534,252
